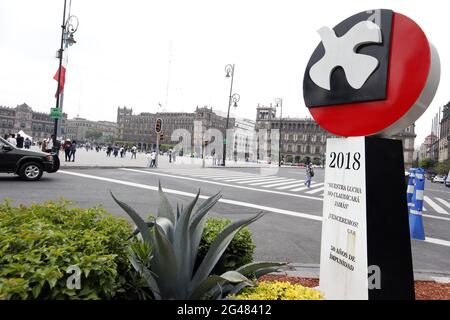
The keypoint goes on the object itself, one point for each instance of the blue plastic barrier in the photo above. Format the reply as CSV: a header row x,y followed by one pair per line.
x,y
415,210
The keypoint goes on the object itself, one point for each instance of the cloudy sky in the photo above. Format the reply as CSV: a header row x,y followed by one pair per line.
x,y
141,53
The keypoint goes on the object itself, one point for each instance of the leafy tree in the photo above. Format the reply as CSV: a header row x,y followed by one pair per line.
x,y
93,134
427,163
443,167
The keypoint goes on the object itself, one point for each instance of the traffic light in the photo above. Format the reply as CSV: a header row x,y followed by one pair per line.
x,y
161,136
158,125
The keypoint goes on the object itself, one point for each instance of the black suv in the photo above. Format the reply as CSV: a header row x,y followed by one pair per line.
x,y
29,165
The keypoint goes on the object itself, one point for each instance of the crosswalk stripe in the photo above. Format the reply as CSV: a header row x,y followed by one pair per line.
x,y
248,179
434,205
229,177
301,183
445,203
217,175
316,190
305,188
258,180
276,183
282,184
266,181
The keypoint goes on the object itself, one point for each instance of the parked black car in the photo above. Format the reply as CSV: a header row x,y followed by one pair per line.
x,y
29,165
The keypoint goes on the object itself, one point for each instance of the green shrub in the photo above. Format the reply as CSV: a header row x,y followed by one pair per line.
x,y
38,243
276,290
239,252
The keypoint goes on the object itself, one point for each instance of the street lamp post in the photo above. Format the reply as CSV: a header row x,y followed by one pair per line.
x,y
233,98
279,104
68,28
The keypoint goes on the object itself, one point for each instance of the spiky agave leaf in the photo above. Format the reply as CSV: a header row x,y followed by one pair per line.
x,y
218,247
198,225
140,223
182,247
260,268
165,209
167,226
214,284
164,264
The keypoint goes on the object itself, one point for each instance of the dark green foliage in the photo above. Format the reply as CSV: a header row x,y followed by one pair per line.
x,y
38,243
239,252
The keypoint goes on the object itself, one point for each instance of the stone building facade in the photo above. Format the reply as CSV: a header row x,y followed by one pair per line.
x,y
77,128
301,138
38,125
407,136
139,129
304,139
444,142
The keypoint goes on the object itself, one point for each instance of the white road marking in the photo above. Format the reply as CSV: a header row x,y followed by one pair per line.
x,y
223,184
434,205
445,203
281,184
295,185
247,179
227,201
435,217
437,241
313,185
267,181
316,191
192,195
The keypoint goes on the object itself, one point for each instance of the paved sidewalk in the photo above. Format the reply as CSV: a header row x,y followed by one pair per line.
x,y
94,159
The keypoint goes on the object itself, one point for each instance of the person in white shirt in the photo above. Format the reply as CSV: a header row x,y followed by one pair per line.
x,y
153,159
50,144
12,140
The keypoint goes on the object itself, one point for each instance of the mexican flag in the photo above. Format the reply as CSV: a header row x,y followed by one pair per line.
x,y
63,73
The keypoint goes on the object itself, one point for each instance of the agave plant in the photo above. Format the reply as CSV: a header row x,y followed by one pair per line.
x,y
174,238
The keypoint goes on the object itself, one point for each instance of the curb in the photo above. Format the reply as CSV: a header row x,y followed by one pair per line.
x,y
311,271
145,167
98,167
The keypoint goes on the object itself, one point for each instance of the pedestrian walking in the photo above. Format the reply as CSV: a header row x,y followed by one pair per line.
x,y
12,139
67,149
170,155
133,152
309,174
153,159
49,147
73,150
121,151
20,141
116,151
27,143
109,149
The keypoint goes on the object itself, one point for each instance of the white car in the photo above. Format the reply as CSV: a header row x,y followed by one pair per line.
x,y
438,179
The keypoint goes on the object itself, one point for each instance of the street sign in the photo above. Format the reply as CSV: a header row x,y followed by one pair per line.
x,y
55,113
158,125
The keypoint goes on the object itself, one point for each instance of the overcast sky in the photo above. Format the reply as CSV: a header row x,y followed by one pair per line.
x,y
124,47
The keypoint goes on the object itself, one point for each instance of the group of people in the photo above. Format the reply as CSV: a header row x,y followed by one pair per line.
x,y
121,150
18,141
70,148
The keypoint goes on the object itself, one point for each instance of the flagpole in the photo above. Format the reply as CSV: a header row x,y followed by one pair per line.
x,y
61,50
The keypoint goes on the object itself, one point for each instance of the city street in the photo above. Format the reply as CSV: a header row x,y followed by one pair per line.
x,y
290,230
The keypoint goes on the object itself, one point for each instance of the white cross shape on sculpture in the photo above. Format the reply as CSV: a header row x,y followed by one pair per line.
x,y
341,52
